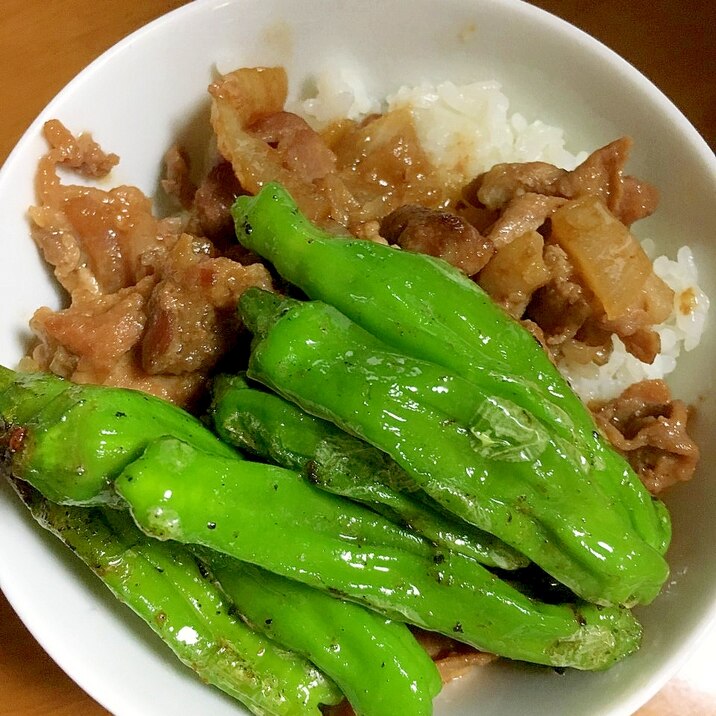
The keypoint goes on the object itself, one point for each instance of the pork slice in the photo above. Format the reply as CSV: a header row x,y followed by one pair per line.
x,y
191,315
193,263
498,186
651,429
302,149
452,658
601,175
212,205
636,200
177,181
182,334
438,233
186,389
562,306
522,214
93,238
83,342
80,153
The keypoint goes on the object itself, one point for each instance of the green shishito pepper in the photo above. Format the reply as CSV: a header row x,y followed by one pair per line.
x,y
273,518
71,441
162,583
72,429
377,663
270,427
483,458
425,308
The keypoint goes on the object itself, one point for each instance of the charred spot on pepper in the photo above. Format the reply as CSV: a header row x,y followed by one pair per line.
x,y
312,474
14,439
337,592
579,617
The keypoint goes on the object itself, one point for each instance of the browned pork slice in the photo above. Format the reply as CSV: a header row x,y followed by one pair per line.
x,y
600,175
211,210
177,181
151,307
562,306
345,178
302,150
263,143
437,233
452,658
522,214
650,429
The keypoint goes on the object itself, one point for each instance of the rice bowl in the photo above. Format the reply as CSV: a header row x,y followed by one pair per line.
x,y
692,592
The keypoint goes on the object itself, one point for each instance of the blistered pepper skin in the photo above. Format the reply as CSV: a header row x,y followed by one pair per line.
x,y
378,664
235,507
270,427
497,468
71,440
163,585
426,308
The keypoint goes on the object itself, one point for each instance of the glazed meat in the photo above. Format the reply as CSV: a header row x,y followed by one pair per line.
x,y
650,429
498,186
522,214
452,658
177,181
151,306
301,149
437,233
600,175
345,179
211,215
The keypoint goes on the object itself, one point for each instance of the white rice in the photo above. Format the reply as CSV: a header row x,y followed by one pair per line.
x,y
339,94
467,129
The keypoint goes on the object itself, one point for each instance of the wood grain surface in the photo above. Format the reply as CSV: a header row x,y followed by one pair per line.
x,y
43,44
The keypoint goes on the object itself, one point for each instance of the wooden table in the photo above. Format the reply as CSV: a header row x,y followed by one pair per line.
x,y
43,44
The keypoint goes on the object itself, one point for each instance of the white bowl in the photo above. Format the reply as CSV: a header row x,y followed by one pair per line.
x,y
142,94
